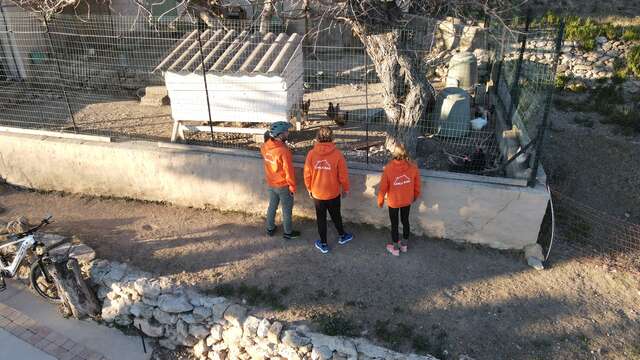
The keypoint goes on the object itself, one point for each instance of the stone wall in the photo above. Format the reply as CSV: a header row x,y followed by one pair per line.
x,y
214,327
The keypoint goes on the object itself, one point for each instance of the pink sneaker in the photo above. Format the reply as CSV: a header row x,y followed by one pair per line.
x,y
403,247
393,250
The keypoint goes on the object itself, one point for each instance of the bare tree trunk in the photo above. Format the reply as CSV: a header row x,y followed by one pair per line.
x,y
265,17
77,299
406,91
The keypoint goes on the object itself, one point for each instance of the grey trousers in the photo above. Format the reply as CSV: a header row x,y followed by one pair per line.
x,y
280,195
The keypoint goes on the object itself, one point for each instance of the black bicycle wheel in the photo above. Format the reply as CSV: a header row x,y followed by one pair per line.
x,y
46,289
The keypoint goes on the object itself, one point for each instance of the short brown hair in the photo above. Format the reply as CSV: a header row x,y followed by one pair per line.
x,y
325,134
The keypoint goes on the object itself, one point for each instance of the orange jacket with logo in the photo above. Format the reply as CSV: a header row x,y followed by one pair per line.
x,y
400,183
325,172
278,165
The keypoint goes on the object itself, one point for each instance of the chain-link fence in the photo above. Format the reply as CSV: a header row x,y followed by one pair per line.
x,y
102,76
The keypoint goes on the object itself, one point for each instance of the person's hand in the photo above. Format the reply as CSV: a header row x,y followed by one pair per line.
x,y
380,205
310,195
345,194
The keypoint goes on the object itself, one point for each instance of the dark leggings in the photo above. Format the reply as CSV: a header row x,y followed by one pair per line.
x,y
333,206
404,216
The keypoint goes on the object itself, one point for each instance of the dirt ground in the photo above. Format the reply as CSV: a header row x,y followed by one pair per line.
x,y
443,298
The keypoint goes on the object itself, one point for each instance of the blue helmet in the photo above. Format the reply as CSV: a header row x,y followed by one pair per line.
x,y
279,127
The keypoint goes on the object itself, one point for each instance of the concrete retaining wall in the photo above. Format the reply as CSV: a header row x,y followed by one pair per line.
x,y
498,215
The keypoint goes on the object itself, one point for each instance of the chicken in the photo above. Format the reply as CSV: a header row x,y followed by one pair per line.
x,y
331,111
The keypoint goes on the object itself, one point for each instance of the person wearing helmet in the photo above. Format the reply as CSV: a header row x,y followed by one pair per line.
x,y
280,176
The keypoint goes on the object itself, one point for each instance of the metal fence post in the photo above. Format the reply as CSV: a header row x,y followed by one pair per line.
x,y
366,99
204,78
62,82
547,108
515,87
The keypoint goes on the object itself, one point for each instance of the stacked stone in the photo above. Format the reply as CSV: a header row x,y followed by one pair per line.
x,y
585,66
214,327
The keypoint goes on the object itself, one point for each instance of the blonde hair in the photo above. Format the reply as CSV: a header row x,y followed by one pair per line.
x,y
400,153
325,134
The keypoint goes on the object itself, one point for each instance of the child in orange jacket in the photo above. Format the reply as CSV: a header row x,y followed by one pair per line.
x,y
401,184
326,177
280,176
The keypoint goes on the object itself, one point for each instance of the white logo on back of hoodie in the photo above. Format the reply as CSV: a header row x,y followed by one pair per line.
x,y
322,165
401,180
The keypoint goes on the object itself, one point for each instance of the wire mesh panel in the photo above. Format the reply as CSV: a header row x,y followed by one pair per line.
x,y
109,75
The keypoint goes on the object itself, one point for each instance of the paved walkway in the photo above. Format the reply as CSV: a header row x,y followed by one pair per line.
x,y
45,334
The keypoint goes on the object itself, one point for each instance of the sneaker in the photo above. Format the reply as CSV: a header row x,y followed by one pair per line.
x,y
403,246
344,238
393,250
324,248
272,231
294,235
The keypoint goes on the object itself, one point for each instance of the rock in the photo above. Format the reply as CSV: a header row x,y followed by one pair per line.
x,y
174,303
534,250
289,353
198,331
263,328
337,344
200,349
164,318
293,339
142,310
167,344
188,318
217,355
182,329
221,346
257,353
201,313
274,332
123,320
250,326
232,335
535,263
601,40
112,308
188,340
235,314
116,273
322,353
216,332
217,310
147,289
149,327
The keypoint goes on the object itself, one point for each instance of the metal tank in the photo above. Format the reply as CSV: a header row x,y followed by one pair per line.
x,y
463,70
453,112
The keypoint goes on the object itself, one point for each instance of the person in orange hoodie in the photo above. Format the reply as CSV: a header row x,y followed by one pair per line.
x,y
281,179
401,184
327,179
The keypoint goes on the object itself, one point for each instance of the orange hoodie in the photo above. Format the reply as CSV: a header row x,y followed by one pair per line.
x,y
400,182
278,165
325,171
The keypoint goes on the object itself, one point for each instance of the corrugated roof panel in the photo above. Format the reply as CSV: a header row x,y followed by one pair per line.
x,y
231,52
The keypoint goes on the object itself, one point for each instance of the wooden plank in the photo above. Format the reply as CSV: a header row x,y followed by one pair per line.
x,y
222,129
12,130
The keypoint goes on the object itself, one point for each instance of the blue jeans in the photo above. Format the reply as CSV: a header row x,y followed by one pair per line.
x,y
280,195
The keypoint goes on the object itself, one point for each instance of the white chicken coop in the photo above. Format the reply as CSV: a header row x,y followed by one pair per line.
x,y
250,78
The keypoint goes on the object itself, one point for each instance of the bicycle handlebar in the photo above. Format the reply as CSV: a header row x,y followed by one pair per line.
x,y
31,231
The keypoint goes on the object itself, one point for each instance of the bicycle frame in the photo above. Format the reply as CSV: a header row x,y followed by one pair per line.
x,y
11,269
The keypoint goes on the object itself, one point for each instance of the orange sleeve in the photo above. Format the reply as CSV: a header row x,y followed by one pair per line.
x,y
417,183
307,171
343,173
384,187
289,171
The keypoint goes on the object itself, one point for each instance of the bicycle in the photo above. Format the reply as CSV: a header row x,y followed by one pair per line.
x,y
39,278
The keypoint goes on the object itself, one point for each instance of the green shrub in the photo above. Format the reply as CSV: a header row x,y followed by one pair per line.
x,y
612,32
631,33
633,60
561,81
584,32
